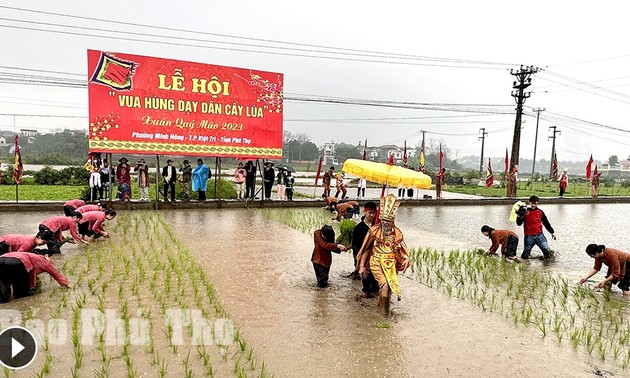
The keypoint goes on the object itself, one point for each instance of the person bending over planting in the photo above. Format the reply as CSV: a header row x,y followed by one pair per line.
x,y
617,262
508,240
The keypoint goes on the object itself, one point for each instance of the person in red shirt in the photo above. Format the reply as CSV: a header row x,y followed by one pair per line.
x,y
344,210
508,240
70,206
85,208
19,271
91,225
533,219
56,226
16,242
618,263
324,240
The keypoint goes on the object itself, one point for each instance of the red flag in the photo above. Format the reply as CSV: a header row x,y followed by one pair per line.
x,y
319,168
554,167
390,160
588,167
17,167
405,156
507,165
489,176
365,150
441,158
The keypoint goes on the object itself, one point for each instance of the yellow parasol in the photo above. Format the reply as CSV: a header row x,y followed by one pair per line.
x,y
386,174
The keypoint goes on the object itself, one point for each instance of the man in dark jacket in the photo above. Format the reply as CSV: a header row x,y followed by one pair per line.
x,y
170,177
370,285
269,175
250,179
533,219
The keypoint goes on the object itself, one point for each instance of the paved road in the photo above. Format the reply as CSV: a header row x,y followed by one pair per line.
x,y
373,193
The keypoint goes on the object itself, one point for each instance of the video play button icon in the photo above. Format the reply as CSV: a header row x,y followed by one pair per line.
x,y
18,347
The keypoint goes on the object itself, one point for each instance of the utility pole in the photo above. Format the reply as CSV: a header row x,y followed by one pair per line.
x,y
523,80
553,147
421,157
537,110
483,139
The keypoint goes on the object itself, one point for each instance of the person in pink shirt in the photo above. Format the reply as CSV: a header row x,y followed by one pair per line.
x,y
70,206
57,225
85,208
91,225
19,271
27,243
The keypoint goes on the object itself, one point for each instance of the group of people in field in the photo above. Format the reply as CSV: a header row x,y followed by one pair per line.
x,y
378,249
23,258
533,220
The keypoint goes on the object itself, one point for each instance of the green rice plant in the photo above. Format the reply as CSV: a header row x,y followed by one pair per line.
x,y
163,368
187,369
575,338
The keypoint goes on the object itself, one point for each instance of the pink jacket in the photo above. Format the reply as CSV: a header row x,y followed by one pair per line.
x,y
95,219
86,208
62,223
18,242
36,264
74,203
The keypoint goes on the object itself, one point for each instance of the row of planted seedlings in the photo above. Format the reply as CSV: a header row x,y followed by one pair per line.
x,y
304,220
153,310
524,295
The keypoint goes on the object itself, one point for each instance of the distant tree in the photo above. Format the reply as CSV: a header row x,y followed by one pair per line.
x,y
345,151
613,160
309,151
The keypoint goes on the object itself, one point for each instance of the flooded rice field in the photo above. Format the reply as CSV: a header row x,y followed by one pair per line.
x,y
262,274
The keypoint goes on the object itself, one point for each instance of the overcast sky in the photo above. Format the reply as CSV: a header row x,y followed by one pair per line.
x,y
581,49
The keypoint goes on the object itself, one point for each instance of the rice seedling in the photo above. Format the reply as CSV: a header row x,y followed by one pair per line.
x,y
163,368
187,368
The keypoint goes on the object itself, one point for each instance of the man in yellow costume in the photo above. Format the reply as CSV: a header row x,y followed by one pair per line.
x,y
385,253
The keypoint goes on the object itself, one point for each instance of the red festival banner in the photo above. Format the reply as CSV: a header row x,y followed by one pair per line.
x,y
145,105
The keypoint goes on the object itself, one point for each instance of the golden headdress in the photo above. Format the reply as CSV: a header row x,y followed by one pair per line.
x,y
388,207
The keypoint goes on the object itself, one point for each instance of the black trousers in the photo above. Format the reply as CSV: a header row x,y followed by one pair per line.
x,y
289,193
268,187
54,246
250,188
14,274
512,245
321,272
171,186
202,195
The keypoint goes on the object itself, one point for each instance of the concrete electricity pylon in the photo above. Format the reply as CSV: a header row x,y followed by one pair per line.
x,y
537,110
553,148
523,80
483,139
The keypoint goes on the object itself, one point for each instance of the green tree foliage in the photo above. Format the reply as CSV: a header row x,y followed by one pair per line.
x,y
66,176
613,160
345,151
64,148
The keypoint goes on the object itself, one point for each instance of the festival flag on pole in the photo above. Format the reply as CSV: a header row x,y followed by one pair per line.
x,y
405,156
507,164
489,175
588,167
319,168
390,160
554,167
441,158
365,150
17,167
421,167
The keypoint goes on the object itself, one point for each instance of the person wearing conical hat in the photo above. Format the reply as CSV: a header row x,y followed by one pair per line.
x,y
385,253
564,181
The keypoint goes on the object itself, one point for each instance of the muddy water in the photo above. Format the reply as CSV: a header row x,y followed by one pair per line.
x,y
263,274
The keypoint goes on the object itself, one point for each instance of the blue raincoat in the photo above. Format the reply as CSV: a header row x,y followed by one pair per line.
x,y
200,177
